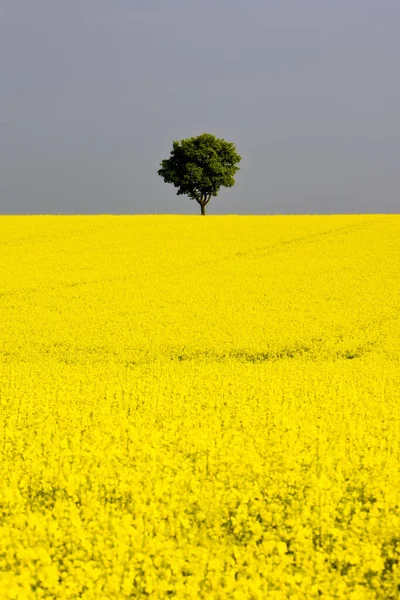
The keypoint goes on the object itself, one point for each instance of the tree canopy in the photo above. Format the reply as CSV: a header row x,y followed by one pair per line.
x,y
200,166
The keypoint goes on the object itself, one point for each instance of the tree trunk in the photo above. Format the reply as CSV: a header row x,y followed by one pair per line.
x,y
203,208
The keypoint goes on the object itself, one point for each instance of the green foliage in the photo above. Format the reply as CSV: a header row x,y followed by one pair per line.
x,y
200,166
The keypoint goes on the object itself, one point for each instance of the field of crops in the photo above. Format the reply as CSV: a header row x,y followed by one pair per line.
x,y
200,407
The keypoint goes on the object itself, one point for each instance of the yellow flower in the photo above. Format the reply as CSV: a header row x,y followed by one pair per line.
x,y
199,409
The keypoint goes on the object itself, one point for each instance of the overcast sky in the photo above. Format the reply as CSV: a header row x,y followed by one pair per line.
x,y
93,92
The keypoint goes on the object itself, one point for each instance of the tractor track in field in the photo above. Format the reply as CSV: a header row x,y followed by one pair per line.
x,y
267,250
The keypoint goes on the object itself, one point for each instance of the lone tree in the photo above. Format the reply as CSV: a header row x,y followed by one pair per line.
x,y
199,166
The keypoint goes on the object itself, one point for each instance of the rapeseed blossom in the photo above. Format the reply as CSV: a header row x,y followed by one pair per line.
x,y
200,408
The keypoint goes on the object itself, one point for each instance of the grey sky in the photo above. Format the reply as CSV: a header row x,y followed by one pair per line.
x,y
93,92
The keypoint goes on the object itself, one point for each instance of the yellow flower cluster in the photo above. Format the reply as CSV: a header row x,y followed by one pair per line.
x,y
200,407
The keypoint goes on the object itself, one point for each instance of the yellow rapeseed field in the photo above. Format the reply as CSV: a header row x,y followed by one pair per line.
x,y
200,407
